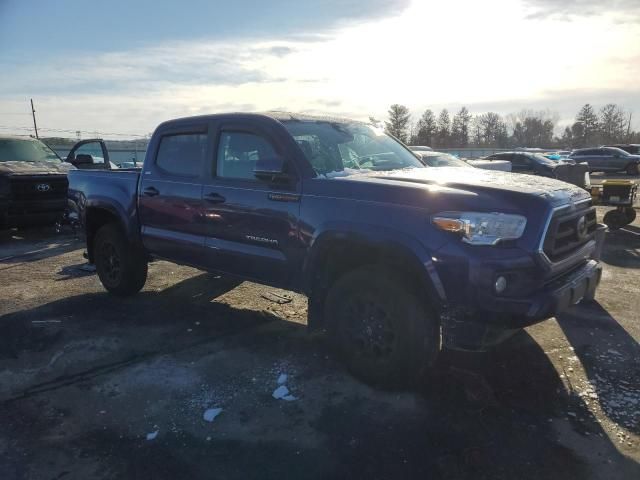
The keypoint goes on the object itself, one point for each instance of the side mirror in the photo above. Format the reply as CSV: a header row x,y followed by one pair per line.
x,y
272,169
81,159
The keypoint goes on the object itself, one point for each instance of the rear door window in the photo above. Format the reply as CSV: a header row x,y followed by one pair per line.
x,y
182,154
238,153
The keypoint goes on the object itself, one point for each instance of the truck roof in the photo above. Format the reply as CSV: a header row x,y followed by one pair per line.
x,y
275,115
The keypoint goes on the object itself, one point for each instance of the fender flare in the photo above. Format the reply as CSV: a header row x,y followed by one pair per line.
x,y
381,238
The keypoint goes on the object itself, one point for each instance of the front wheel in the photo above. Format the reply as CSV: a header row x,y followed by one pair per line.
x,y
633,169
386,334
121,268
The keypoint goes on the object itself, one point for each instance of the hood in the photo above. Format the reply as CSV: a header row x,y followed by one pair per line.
x,y
477,180
35,168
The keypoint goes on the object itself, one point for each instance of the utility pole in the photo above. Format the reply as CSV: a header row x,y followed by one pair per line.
x,y
33,112
629,127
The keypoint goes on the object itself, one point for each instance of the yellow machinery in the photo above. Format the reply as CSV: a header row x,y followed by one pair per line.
x,y
620,194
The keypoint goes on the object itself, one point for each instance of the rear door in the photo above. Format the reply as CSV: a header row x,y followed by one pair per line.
x,y
251,224
170,194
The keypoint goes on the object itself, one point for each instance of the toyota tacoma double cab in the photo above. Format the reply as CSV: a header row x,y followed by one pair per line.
x,y
398,260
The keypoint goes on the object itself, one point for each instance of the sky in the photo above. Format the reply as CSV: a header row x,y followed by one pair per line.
x,y
121,67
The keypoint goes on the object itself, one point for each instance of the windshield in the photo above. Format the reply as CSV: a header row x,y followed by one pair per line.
x,y
443,160
336,147
542,159
618,151
25,150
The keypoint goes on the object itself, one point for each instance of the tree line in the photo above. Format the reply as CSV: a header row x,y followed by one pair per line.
x,y
527,128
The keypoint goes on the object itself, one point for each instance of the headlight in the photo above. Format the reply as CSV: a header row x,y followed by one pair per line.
x,y
479,228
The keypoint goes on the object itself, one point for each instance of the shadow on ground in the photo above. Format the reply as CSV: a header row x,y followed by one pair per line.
x,y
482,416
623,247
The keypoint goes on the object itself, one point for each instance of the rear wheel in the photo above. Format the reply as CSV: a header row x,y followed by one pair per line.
x,y
615,219
121,268
633,169
630,213
385,333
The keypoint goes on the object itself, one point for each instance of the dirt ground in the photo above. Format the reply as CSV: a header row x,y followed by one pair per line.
x,y
92,386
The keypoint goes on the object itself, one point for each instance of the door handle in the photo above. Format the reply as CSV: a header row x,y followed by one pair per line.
x,y
214,198
151,191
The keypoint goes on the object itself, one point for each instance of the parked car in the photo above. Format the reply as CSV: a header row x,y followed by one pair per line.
x,y
537,164
33,183
397,259
441,159
632,148
420,148
608,159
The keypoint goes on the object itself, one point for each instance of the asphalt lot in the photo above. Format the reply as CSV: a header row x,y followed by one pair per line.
x,y
92,386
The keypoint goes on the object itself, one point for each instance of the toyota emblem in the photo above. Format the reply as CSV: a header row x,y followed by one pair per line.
x,y
581,227
43,187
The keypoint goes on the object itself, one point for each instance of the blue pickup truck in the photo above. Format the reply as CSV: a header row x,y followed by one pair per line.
x,y
398,260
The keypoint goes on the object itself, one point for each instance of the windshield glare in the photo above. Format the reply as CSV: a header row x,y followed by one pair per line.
x,y
25,150
443,160
336,147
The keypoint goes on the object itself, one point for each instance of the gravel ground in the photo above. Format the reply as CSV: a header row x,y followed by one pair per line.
x,y
93,386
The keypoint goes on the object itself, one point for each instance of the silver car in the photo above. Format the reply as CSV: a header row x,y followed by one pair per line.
x,y
608,159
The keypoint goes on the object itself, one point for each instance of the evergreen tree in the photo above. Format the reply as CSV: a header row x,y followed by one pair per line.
x,y
426,129
589,126
443,129
460,128
398,124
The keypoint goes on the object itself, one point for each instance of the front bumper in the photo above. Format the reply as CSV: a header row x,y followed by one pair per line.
x,y
488,318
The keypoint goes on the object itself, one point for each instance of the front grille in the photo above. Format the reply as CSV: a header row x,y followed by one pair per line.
x,y
567,232
43,187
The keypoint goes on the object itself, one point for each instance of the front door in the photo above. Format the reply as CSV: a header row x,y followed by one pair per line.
x,y
251,223
521,164
91,154
170,195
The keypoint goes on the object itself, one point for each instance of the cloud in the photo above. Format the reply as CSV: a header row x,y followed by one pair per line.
x,y
571,9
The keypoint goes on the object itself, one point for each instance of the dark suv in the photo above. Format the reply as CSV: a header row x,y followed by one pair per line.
x,y
608,159
525,162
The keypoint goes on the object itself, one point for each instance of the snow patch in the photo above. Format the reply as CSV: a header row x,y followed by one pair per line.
x,y
280,392
211,413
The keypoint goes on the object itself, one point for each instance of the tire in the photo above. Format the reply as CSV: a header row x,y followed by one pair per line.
x,y
630,214
615,219
384,332
633,169
121,268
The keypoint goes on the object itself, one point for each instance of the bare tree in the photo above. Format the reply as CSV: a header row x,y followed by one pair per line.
x,y
613,124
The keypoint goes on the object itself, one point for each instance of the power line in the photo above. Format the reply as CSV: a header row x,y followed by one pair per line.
x,y
44,129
